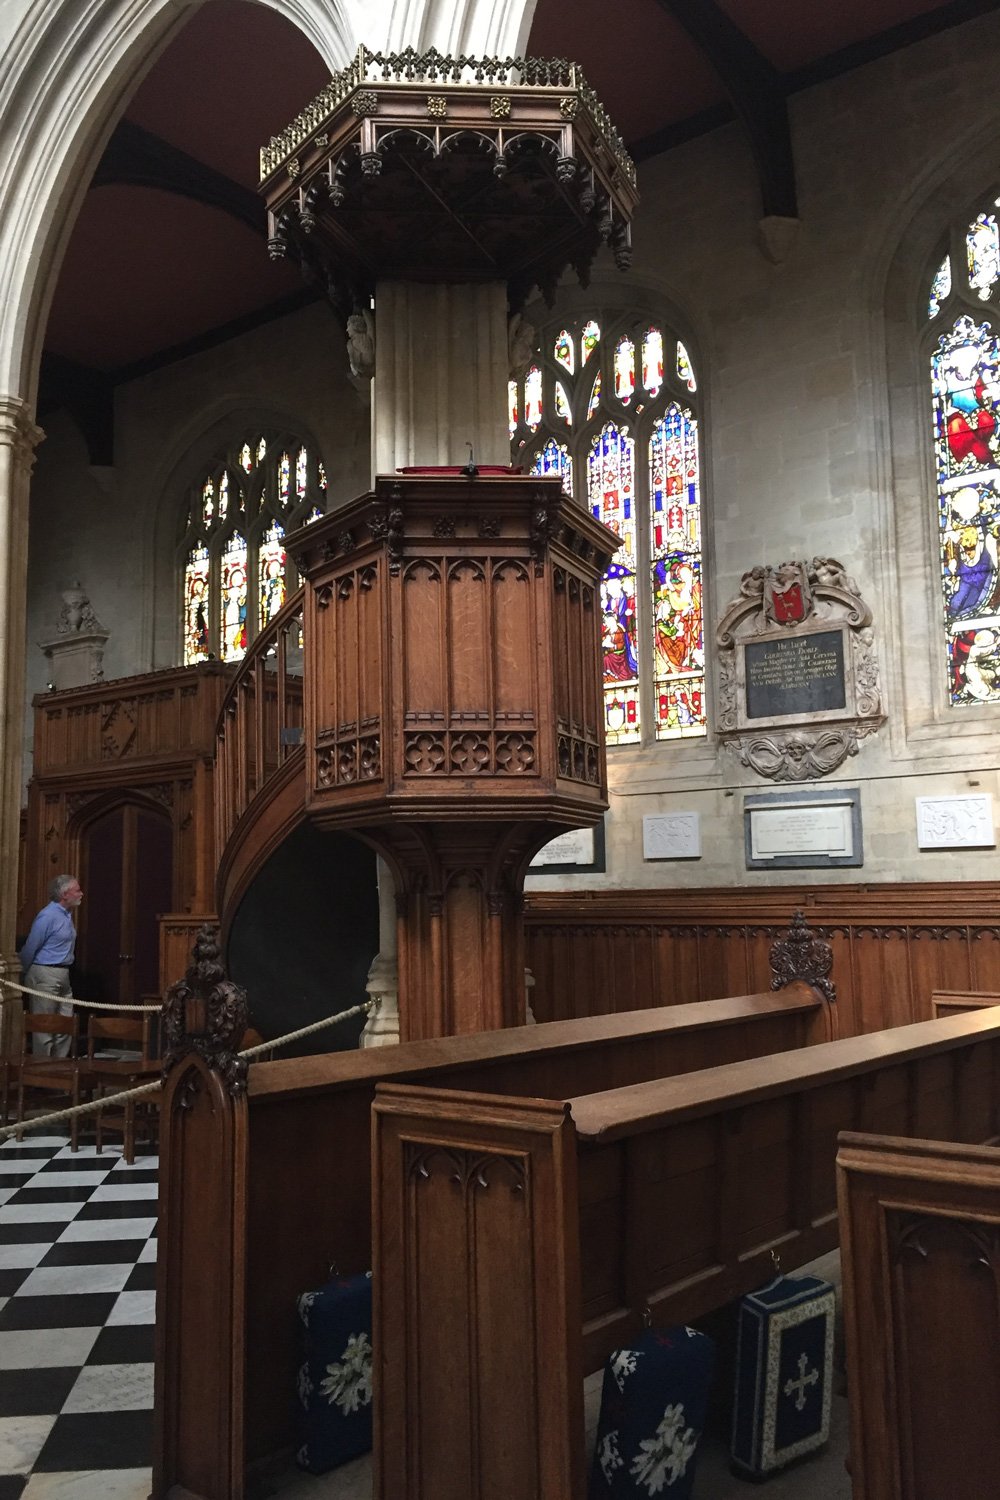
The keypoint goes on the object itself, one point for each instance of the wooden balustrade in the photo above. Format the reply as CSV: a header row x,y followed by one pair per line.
x,y
260,721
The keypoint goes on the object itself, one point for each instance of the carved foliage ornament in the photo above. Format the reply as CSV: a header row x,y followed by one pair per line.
x,y
800,954
787,621
206,1013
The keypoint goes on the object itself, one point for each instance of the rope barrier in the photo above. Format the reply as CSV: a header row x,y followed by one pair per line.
x,y
69,999
95,1105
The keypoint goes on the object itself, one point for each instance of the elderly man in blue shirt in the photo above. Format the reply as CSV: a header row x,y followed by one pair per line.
x,y
46,958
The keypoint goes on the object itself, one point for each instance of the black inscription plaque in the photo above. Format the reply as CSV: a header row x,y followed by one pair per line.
x,y
795,674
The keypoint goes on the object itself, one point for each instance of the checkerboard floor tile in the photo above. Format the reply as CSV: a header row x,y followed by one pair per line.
x,y
77,1297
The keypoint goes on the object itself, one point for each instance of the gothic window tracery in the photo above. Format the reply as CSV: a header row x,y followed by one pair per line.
x,y
609,403
234,570
963,311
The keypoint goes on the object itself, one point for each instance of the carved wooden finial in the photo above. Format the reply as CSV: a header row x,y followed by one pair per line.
x,y
800,954
205,1012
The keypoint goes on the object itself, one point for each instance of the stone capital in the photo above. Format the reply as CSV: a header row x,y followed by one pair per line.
x,y
18,430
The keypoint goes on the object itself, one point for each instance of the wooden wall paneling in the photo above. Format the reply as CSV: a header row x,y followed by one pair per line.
x,y
984,958
494,1222
920,1257
939,958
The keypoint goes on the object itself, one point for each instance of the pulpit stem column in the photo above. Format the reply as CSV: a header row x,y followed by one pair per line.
x,y
18,438
382,1027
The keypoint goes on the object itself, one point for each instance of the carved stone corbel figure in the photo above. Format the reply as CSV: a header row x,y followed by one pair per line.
x,y
520,344
361,344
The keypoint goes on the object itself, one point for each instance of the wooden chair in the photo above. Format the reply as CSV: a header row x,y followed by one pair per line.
x,y
120,1056
60,1075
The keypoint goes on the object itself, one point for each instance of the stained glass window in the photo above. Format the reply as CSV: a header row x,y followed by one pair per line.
x,y
652,361
965,381
611,492
196,636
652,651
271,573
624,370
533,397
234,598
555,459
675,551
234,572
685,371
563,350
940,287
589,339
983,251
512,406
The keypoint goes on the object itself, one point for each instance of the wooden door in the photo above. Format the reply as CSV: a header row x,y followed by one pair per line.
x,y
127,882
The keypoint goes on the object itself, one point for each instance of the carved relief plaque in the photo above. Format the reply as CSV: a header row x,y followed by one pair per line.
x,y
798,672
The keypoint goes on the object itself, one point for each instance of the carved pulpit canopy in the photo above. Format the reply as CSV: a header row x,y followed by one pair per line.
x,y
798,671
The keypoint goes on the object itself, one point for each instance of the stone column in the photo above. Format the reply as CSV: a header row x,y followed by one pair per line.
x,y
441,365
382,1027
18,439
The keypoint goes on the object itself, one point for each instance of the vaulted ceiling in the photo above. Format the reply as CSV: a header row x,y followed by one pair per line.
x,y
168,252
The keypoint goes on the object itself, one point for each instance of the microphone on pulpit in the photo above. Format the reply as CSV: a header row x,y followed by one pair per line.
x,y
469,470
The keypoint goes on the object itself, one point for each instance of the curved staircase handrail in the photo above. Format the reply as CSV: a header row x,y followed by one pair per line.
x,y
260,720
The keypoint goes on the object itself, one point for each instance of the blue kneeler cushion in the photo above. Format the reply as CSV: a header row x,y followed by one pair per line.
x,y
653,1406
784,1368
335,1382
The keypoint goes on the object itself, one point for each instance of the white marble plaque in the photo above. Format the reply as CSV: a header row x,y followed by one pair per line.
x,y
802,828
671,836
956,822
573,848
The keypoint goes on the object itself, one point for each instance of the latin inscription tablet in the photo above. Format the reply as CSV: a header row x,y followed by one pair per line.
x,y
795,674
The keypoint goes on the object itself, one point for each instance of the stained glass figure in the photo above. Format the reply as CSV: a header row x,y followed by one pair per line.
x,y
940,287
561,403
533,397
563,350
983,251
685,370
197,644
652,361
512,406
261,449
234,598
595,396
208,501
271,572
611,495
314,515
284,476
624,370
246,457
321,476
965,381
224,496
301,465
555,459
589,339
675,552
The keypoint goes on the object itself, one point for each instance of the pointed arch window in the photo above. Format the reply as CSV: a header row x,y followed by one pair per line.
x,y
963,309
234,570
610,404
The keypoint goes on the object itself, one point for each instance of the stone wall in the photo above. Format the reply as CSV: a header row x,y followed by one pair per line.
x,y
813,376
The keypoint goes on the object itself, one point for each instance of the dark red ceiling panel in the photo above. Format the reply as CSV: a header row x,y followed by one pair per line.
x,y
235,76
642,65
791,33
146,271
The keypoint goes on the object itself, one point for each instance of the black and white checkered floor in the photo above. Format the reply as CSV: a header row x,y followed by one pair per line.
x,y
77,1279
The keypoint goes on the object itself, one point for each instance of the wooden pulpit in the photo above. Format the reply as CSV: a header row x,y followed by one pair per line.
x,y
453,712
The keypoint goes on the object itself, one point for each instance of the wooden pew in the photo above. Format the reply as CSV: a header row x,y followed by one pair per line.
x,y
517,1242
957,1002
920,1253
263,1188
